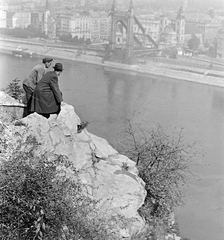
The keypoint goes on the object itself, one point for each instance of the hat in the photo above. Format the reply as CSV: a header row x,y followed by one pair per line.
x,y
47,60
58,67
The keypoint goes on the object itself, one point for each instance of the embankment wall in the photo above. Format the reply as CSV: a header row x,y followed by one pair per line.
x,y
209,77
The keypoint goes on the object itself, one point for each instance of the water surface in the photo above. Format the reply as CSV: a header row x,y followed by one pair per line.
x,y
106,99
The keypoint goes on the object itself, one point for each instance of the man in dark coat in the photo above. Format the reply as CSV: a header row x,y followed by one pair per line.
x,y
47,97
31,80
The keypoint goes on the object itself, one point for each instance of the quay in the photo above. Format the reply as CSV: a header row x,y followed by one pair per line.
x,y
191,74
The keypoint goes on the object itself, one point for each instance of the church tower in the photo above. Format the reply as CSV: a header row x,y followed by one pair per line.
x,y
180,26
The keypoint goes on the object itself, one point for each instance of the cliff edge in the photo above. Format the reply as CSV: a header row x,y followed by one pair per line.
x,y
100,167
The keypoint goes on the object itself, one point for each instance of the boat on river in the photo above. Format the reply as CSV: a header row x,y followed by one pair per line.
x,y
21,52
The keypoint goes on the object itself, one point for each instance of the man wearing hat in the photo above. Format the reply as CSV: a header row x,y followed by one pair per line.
x,y
47,96
31,80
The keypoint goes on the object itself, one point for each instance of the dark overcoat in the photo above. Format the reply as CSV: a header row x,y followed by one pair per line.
x,y
47,97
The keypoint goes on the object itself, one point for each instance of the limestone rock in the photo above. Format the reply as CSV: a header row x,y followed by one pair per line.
x,y
10,108
112,178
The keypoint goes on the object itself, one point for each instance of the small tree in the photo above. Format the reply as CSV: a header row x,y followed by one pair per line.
x,y
14,89
88,41
193,42
66,37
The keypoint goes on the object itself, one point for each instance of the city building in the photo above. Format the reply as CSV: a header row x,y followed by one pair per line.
x,y
63,22
210,31
180,26
3,19
164,22
220,43
83,24
80,25
37,19
99,26
209,26
18,19
172,27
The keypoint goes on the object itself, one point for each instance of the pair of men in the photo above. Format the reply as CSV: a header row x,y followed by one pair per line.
x,y
42,91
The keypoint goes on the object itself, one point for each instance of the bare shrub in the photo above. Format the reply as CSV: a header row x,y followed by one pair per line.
x,y
164,164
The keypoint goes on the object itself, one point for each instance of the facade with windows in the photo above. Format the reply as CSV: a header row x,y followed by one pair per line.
x,y
21,19
220,43
83,24
105,23
80,25
100,26
3,19
37,19
63,22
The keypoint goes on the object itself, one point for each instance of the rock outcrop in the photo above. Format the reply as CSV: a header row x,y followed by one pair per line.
x,y
112,178
10,108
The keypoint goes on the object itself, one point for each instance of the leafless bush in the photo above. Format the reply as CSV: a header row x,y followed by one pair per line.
x,y
164,164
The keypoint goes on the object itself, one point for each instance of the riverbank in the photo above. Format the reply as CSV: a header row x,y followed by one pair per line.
x,y
201,76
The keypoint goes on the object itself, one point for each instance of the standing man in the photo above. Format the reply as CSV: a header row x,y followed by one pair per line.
x,y
31,80
47,96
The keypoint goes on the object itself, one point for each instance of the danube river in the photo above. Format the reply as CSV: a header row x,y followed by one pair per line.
x,y
106,99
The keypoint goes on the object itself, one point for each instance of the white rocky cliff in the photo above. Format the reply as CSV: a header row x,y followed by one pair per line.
x,y
118,188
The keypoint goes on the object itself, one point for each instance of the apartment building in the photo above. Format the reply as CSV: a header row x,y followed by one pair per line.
x,y
100,26
3,18
220,43
37,19
83,24
208,26
80,25
105,26
18,19
63,22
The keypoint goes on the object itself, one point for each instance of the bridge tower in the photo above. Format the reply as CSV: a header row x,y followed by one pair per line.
x,y
126,19
130,33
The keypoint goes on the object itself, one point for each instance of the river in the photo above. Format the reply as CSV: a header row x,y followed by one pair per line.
x,y
105,99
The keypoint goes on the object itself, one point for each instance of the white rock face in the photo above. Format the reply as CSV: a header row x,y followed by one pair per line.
x,y
10,108
112,178
5,99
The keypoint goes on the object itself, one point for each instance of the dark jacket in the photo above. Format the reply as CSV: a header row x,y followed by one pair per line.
x,y
47,97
